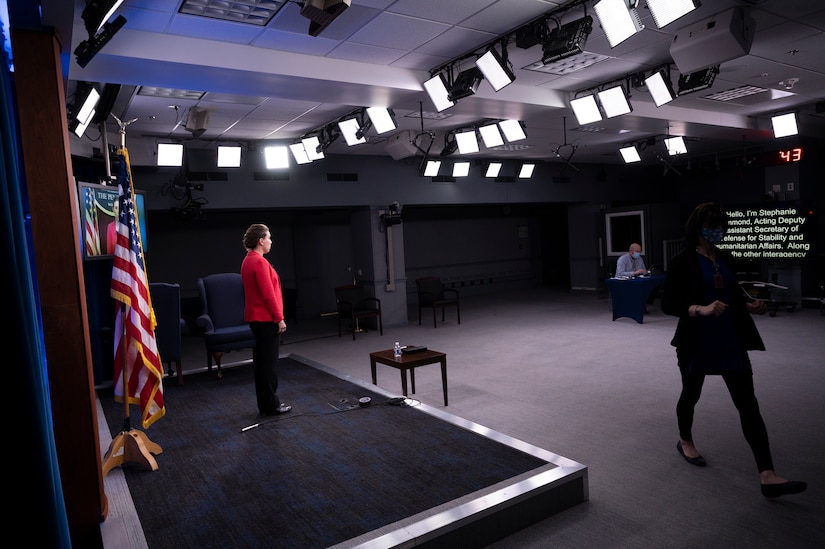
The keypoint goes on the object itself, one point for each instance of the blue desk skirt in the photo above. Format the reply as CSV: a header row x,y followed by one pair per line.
x,y
629,296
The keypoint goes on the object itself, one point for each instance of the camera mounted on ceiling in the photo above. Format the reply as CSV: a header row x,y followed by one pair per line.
x,y
393,215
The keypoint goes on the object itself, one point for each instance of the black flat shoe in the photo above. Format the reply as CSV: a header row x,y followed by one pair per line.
x,y
699,461
786,488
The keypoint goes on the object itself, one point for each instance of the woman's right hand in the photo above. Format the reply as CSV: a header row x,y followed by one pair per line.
x,y
757,307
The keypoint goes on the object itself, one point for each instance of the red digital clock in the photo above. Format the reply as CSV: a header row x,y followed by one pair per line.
x,y
790,155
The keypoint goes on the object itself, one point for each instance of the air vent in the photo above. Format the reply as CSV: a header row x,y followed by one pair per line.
x,y
569,65
270,176
342,177
253,12
505,179
170,93
735,94
561,179
443,179
207,176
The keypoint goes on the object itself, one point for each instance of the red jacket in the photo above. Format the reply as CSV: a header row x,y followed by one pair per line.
x,y
263,300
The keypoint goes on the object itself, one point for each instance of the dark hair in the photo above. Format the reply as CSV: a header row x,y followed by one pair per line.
x,y
254,233
707,214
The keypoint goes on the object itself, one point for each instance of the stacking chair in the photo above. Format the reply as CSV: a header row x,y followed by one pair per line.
x,y
166,304
221,319
352,303
433,294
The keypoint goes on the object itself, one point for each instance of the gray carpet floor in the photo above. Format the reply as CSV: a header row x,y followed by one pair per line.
x,y
554,370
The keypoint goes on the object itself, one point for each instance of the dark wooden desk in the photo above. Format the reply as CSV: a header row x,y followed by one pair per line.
x,y
408,362
629,296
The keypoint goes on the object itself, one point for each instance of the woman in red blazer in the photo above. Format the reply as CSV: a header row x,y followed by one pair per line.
x,y
264,310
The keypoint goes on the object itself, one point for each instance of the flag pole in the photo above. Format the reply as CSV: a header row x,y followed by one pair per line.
x,y
129,445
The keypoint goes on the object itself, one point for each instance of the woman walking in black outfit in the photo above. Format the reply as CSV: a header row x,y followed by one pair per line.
x,y
713,337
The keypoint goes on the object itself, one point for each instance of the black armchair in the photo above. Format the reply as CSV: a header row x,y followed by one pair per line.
x,y
433,294
221,319
352,303
166,303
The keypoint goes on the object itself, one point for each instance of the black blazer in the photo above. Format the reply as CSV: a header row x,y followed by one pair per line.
x,y
683,288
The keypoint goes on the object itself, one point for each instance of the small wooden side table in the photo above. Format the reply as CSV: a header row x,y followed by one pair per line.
x,y
408,362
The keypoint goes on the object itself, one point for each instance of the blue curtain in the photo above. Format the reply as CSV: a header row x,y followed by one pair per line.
x,y
32,447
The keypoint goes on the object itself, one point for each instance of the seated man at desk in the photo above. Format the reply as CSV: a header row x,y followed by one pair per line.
x,y
631,263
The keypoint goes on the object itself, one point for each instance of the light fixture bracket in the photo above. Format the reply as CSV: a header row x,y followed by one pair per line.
x,y
86,50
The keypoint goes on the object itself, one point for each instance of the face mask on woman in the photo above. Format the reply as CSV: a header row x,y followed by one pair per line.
x,y
714,236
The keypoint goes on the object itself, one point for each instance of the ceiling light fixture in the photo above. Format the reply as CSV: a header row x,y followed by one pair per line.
x,y
328,135
229,156
450,144
461,169
351,129
660,87
299,153
107,100
665,12
97,13
614,101
784,125
321,13
276,157
567,40
96,17
467,142
466,84
512,130
313,148
170,154
526,171
383,119
432,167
586,109
79,127
87,96
491,135
697,81
619,21
630,154
493,169
675,145
496,68
90,98
439,94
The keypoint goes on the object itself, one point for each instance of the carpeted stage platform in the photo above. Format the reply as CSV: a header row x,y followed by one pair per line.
x,y
333,473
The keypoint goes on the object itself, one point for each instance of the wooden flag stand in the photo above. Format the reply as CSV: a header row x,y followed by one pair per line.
x,y
130,445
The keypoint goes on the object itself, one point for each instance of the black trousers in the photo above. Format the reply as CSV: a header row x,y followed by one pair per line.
x,y
265,364
740,387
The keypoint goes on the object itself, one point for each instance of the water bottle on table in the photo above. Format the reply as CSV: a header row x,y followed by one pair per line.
x,y
396,351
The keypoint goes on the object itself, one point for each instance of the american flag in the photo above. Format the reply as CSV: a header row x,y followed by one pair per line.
x,y
135,321
90,223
